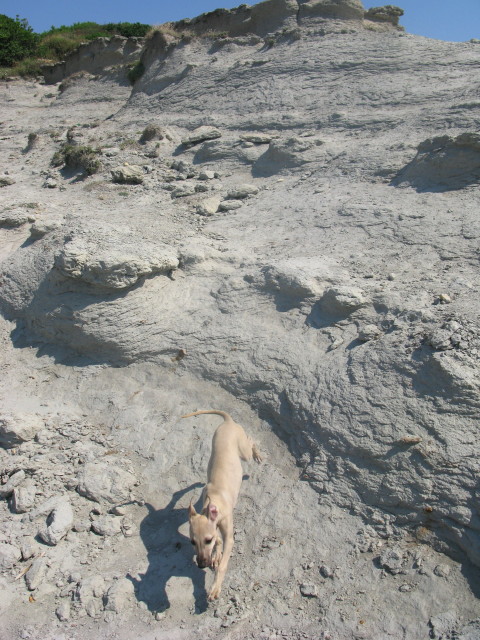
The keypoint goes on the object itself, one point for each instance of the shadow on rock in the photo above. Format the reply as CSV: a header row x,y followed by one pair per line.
x,y
169,556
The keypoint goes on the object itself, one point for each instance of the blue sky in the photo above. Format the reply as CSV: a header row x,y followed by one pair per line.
x,y
457,20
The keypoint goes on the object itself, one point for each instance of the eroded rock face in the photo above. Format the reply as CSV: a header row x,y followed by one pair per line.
x,y
443,163
113,267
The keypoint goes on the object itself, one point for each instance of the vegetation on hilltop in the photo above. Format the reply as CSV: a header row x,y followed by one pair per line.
x,y
23,52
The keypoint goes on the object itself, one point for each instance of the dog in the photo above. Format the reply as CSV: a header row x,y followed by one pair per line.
x,y
230,445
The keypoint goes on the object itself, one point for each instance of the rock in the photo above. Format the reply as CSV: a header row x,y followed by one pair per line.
x,y
19,427
230,205
242,191
444,625
209,206
9,555
6,181
443,163
183,191
297,278
50,183
288,153
15,218
326,571
29,547
342,300
200,135
442,570
106,525
392,560
206,175
40,228
36,574
309,590
257,138
14,481
23,497
128,174
108,481
63,611
369,332
89,588
119,595
59,522
82,525
114,267
128,527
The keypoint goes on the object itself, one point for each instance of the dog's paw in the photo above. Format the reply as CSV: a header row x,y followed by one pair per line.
x,y
217,558
256,455
214,593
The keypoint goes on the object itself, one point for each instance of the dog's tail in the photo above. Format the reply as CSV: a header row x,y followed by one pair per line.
x,y
224,415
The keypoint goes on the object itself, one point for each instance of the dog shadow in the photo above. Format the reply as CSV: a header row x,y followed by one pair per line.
x,y
169,555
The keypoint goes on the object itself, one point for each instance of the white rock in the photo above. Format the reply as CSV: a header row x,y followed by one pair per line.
x,y
200,135
14,481
128,174
19,427
106,525
114,267
23,497
102,480
242,191
59,523
230,205
9,555
209,206
343,300
119,595
63,611
36,574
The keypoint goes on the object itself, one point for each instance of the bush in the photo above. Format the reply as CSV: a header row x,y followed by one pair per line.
x,y
17,40
135,72
77,157
128,29
56,46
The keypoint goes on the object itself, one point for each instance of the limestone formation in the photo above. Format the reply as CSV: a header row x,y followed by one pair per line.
x,y
302,252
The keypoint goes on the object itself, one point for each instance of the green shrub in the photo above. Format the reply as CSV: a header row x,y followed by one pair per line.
x,y
128,29
17,40
135,72
56,46
77,157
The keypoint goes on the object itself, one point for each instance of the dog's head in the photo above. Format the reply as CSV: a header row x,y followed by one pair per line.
x,y
203,533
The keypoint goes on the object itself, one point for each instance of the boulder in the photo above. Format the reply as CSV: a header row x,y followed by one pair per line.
x,y
128,174
200,135
19,427
102,480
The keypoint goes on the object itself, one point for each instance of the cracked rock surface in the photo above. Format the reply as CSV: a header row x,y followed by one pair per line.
x,y
300,251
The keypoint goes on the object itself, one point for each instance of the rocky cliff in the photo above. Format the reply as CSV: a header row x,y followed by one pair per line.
x,y
279,219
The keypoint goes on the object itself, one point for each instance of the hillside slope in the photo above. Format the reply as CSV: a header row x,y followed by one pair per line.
x,y
284,225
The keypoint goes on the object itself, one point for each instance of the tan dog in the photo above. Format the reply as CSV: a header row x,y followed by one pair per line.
x,y
230,444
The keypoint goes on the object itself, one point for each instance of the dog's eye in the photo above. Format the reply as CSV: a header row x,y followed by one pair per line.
x,y
192,541
208,540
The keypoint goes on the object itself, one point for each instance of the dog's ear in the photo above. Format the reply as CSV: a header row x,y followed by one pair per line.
x,y
212,512
191,510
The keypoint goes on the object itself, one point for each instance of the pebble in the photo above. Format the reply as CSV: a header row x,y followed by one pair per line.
x,y
63,612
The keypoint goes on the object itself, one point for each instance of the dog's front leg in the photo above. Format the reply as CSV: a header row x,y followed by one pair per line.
x,y
217,552
222,566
